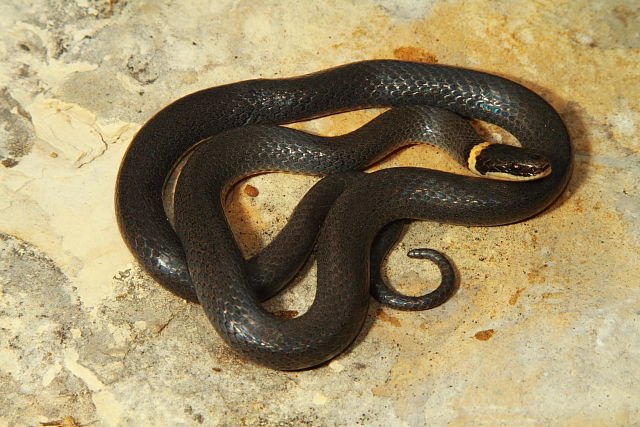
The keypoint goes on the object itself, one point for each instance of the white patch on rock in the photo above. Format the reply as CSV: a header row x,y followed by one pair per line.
x,y
73,131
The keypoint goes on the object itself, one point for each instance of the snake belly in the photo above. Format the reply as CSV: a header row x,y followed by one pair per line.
x,y
384,196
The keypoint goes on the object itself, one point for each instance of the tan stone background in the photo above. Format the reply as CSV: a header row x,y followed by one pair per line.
x,y
544,330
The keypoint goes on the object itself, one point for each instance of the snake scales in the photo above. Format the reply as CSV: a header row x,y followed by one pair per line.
x,y
201,261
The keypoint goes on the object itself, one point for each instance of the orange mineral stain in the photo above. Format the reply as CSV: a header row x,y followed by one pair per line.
x,y
484,335
412,53
382,315
251,191
514,298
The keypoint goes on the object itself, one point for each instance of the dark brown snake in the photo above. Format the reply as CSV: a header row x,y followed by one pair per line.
x,y
202,261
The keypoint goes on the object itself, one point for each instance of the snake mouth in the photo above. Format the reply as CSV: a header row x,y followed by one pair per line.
x,y
508,163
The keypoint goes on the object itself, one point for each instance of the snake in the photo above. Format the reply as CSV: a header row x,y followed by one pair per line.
x,y
199,259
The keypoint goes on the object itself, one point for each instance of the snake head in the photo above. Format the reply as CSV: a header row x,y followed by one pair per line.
x,y
508,163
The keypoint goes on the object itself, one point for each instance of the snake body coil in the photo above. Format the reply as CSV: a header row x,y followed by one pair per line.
x,y
363,207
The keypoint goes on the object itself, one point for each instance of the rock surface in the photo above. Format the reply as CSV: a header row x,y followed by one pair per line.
x,y
544,330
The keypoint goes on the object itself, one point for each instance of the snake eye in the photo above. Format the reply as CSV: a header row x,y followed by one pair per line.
x,y
509,163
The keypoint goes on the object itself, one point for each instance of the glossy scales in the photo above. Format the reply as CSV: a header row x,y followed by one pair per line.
x,y
312,338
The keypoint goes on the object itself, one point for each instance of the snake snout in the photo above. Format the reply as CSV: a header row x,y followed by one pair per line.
x,y
509,163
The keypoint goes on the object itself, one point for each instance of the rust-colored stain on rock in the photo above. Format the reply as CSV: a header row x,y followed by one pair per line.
x,y
286,314
514,298
251,191
484,335
535,275
382,315
412,53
